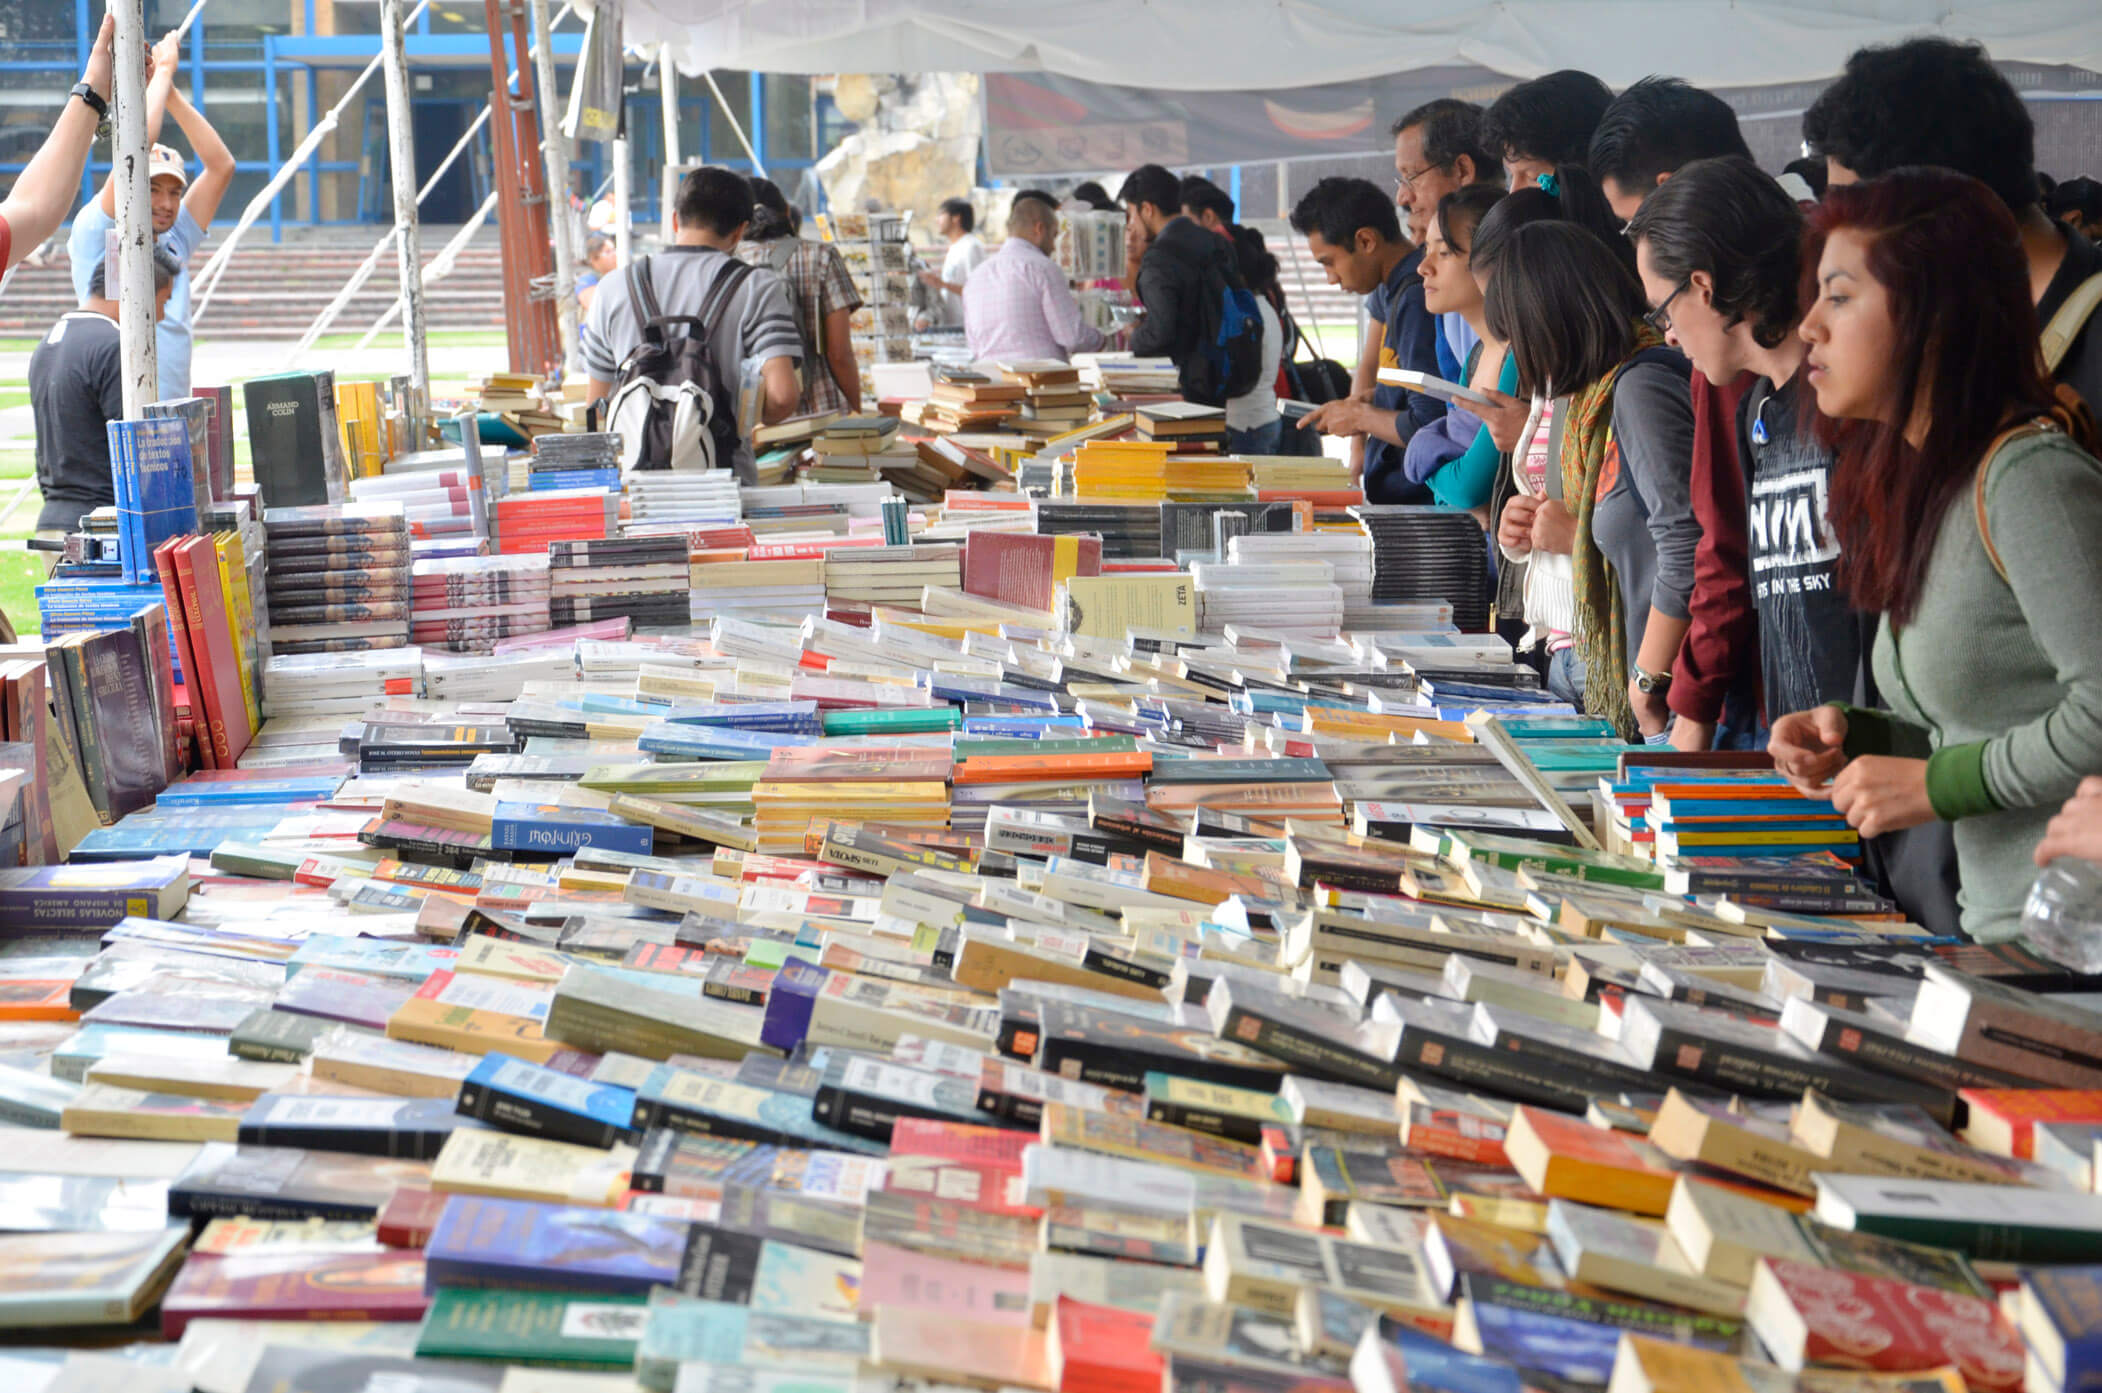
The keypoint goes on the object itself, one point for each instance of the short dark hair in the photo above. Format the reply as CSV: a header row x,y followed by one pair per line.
x,y
1730,219
1337,207
1151,183
1461,212
1658,125
1958,112
771,217
165,269
1565,304
1094,196
2080,195
1451,128
961,210
1550,118
1258,264
1200,193
1576,200
715,198
1033,196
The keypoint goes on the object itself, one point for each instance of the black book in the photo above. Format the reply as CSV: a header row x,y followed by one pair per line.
x,y
292,439
865,1096
1435,1040
277,1182
1117,1051
1308,1038
720,1264
411,1129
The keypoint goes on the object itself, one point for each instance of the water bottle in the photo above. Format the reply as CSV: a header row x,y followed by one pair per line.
x,y
2062,920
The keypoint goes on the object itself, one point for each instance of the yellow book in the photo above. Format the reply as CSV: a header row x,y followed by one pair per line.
x,y
1176,1147
103,1110
531,1168
476,1015
228,1078
233,576
513,962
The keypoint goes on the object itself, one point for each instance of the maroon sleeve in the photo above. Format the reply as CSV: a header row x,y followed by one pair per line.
x,y
1722,642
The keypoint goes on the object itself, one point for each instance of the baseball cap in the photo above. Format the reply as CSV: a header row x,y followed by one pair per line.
x,y
163,160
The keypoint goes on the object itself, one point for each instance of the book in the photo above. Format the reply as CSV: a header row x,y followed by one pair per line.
x,y
383,1285
1563,1157
520,1096
69,1279
1806,1315
274,1182
533,1328
1995,1222
2061,1324
486,1242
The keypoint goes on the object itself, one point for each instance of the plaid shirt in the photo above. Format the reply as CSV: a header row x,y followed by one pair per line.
x,y
1018,306
818,284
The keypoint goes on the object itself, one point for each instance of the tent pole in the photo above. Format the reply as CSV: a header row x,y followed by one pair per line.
x,y
135,319
735,124
554,148
623,234
401,158
668,96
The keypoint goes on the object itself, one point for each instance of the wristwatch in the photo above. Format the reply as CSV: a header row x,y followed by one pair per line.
x,y
95,104
1651,683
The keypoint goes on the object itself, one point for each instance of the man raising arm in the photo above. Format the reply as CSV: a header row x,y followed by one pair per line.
x,y
37,204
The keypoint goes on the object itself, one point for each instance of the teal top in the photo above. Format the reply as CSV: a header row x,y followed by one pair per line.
x,y
1466,482
1997,682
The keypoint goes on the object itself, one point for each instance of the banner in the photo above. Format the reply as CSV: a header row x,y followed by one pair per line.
x,y
595,91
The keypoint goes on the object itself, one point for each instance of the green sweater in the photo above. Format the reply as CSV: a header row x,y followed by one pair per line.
x,y
1998,683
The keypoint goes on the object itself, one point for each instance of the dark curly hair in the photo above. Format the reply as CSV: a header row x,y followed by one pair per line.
x,y
1658,125
1550,118
1928,102
1728,218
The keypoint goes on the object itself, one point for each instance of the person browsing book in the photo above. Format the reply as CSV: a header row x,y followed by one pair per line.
x,y
1966,506
1541,125
965,254
820,291
182,209
1573,317
76,388
1437,151
1352,231
1018,306
1182,267
1456,457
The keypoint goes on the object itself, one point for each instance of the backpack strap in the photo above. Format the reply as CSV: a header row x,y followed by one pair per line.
x,y
642,297
2072,317
725,285
2005,438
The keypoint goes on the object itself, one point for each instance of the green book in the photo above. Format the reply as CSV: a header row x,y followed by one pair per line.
x,y
278,1037
1458,846
892,721
563,1329
253,859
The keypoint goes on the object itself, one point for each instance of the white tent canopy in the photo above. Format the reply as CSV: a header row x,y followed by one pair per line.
x,y
1212,45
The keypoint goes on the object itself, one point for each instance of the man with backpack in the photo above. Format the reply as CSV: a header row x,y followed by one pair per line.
x,y
676,339
1199,312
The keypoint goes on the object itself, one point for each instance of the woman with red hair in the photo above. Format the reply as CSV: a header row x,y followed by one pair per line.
x,y
1969,515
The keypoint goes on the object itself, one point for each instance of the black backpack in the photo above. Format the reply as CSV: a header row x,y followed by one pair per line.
x,y
1229,337
671,402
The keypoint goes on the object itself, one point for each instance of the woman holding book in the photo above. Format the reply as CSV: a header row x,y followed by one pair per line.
x,y
1615,498
1455,456
1967,506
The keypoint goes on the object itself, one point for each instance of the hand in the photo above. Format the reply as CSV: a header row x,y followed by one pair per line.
x,y
102,58
1809,747
1341,417
931,278
1652,713
167,54
1880,793
1504,416
2077,830
1514,532
1693,737
1554,528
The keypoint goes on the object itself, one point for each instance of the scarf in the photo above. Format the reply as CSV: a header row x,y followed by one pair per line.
x,y
1601,617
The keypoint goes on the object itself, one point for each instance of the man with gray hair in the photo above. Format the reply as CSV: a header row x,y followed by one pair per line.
x,y
1017,305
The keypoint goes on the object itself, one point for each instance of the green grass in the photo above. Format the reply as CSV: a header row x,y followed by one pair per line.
x,y
10,345
391,338
20,574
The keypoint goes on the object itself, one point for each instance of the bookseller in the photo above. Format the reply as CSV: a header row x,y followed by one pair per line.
x,y
1966,505
1018,306
43,191
76,388
182,209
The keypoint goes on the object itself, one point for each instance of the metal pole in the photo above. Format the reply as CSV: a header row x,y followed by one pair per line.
x,y
758,165
277,211
135,317
668,95
440,267
554,148
623,237
401,157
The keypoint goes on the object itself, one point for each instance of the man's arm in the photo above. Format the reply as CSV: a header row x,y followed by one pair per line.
x,y
160,85
217,177
43,194
839,353
779,390
1155,334
1062,315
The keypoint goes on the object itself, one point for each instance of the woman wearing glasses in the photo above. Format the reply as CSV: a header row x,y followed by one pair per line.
x,y
1614,496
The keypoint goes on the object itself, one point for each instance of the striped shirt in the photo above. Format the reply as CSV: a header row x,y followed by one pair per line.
x,y
819,283
755,327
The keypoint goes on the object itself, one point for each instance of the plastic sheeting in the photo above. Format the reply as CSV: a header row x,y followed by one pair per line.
x,y
1212,45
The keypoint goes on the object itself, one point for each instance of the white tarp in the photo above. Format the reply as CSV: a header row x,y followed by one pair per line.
x,y
1200,45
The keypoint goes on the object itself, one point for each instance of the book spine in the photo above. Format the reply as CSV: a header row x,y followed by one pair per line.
x,y
513,1111
214,1205
1506,1074
213,653
1303,1050
94,766
1207,1120
265,1051
240,619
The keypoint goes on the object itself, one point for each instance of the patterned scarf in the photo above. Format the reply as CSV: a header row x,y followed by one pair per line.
x,y
1601,618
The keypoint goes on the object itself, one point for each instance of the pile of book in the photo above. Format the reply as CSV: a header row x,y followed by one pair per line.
x,y
1187,425
517,398
1053,400
661,499
964,399
341,685
1126,529
642,579
527,522
855,450
859,578
443,498
1424,553
1280,596
465,604
338,577
756,590
573,460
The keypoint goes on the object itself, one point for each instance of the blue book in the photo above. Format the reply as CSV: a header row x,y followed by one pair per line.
x,y
1425,1362
715,742
690,1102
180,832
155,488
799,716
542,479
1752,807
312,788
789,1002
1572,1337
1024,727
93,896
374,957
2065,1335
516,1095
557,830
484,1242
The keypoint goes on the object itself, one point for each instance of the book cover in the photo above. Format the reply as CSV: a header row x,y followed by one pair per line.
x,y
62,1279
289,439
215,678
519,1096
386,1285
485,1242
281,1182
1810,1316
240,614
543,1328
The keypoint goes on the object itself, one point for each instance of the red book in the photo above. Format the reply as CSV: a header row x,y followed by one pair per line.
x,y
1101,1349
813,549
297,1286
1024,568
959,1141
1822,1316
406,1220
216,672
2003,1120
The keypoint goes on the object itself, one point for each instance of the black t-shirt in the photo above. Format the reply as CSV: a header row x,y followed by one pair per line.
x,y
1813,645
2081,368
76,387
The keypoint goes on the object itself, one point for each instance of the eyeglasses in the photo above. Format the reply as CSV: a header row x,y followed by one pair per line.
x,y
1660,317
1403,181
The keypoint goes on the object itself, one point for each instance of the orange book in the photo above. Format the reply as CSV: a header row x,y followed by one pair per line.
x,y
1165,875
30,1000
1007,769
1564,1157
1101,1349
2003,1120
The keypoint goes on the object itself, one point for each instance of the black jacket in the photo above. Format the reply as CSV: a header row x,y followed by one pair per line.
x,y
1171,285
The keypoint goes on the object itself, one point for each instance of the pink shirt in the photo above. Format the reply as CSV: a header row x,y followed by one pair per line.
x,y
1017,306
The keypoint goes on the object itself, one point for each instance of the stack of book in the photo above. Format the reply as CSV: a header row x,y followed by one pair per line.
x,y
757,590
967,400
1126,529
682,498
526,523
442,497
574,460
1430,553
899,787
855,450
1185,424
1053,402
338,684
338,577
466,604
859,578
1303,476
517,398
1349,557
1279,596
642,579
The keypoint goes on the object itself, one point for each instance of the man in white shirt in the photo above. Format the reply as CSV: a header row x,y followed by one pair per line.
x,y
1018,306
966,253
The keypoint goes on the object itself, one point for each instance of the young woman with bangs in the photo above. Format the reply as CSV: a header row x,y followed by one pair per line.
x,y
1456,456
